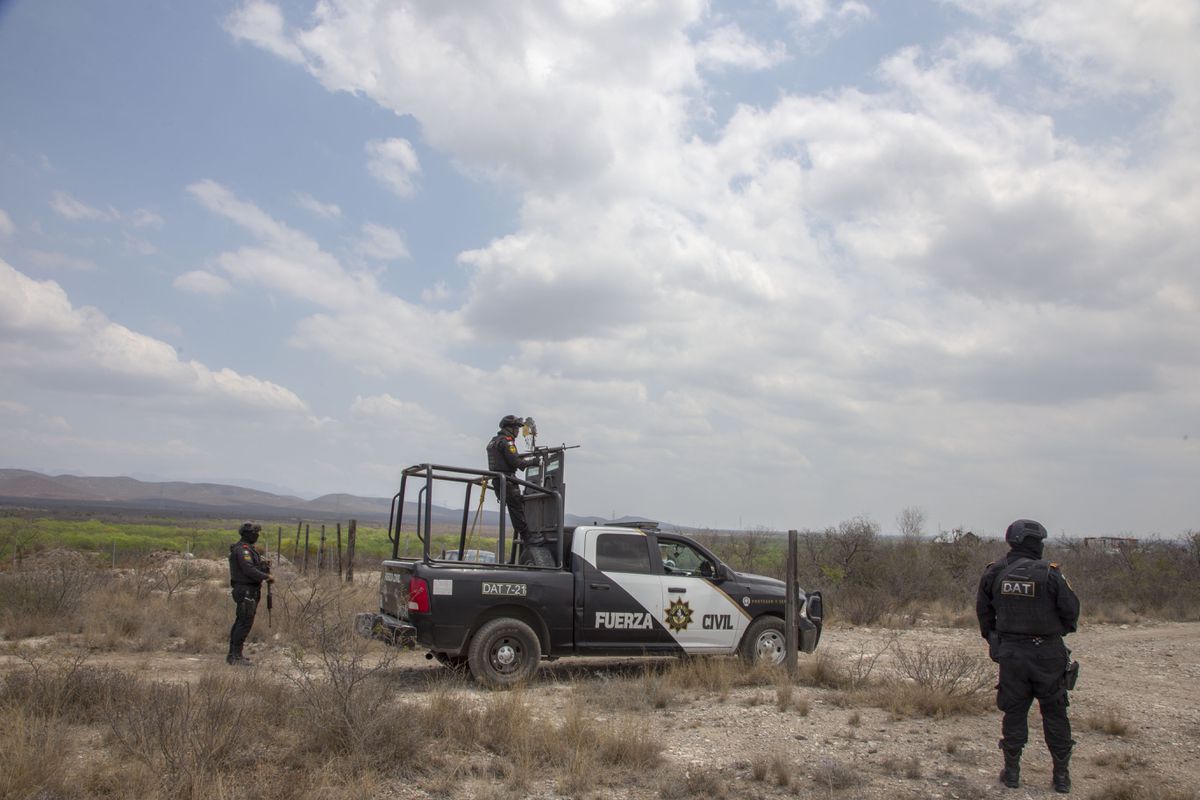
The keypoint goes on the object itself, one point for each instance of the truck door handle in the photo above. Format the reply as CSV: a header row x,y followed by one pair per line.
x,y
603,586
676,590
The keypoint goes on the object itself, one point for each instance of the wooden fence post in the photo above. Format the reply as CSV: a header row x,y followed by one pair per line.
x,y
790,608
321,551
296,542
351,536
306,549
339,545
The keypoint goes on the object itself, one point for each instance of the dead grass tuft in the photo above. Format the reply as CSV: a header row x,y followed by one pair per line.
x,y
30,760
1133,790
695,782
834,775
908,767
1107,721
1120,760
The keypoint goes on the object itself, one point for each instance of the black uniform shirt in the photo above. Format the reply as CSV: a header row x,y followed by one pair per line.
x,y
246,567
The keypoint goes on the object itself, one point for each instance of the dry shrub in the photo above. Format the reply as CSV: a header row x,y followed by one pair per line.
x,y
908,767
855,719
760,766
784,696
341,687
694,782
950,672
31,758
41,600
58,684
834,775
1107,721
186,735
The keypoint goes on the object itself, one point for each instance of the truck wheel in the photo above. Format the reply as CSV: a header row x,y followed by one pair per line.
x,y
764,642
504,652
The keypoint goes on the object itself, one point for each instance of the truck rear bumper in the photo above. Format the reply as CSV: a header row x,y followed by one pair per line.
x,y
385,628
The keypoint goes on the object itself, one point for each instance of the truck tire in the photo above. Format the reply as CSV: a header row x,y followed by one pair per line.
x,y
764,642
504,652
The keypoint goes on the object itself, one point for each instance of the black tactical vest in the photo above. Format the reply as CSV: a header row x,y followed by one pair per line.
x,y
1021,597
495,453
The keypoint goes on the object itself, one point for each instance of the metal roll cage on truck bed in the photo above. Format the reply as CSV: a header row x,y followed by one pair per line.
x,y
611,590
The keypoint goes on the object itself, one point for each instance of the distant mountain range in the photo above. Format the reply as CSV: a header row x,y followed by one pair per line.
x,y
26,488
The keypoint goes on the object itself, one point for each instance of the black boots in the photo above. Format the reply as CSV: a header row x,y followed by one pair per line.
x,y
1062,775
236,659
1010,776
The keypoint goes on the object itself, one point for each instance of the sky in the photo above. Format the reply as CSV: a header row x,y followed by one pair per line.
x,y
772,263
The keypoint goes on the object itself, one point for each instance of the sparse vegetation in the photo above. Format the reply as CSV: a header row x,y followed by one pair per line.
x,y
330,719
1107,721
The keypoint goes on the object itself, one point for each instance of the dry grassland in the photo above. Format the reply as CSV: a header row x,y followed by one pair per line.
x,y
112,685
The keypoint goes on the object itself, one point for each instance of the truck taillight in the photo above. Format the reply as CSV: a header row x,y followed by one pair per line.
x,y
418,595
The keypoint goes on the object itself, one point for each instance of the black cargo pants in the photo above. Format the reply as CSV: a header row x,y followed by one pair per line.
x,y
1029,669
533,545
246,597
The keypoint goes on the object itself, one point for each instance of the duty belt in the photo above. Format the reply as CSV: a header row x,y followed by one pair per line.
x,y
1036,641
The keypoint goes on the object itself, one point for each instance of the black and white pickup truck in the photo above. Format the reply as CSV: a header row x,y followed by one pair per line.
x,y
621,591
609,591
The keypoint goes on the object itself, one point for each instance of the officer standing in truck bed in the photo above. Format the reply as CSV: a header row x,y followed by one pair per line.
x,y
1025,607
503,457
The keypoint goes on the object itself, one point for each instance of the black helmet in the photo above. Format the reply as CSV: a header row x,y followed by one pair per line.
x,y
1024,529
511,421
249,528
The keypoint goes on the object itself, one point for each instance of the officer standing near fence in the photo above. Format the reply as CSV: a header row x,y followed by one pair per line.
x,y
1025,607
247,571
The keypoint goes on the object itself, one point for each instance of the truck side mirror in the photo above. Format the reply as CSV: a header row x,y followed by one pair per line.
x,y
816,606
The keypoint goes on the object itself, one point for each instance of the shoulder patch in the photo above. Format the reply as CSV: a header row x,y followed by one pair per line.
x,y
512,448
1053,565
246,556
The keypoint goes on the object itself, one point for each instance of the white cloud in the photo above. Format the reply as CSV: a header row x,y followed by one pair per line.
x,y
46,338
7,228
811,13
729,46
262,24
201,282
381,243
56,260
394,163
387,409
135,246
921,285
315,206
72,209
366,326
145,218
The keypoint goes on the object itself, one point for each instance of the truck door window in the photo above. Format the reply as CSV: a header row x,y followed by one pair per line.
x,y
622,552
680,559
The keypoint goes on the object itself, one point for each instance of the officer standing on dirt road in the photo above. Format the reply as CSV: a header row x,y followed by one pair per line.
x,y
247,571
502,457
1025,607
